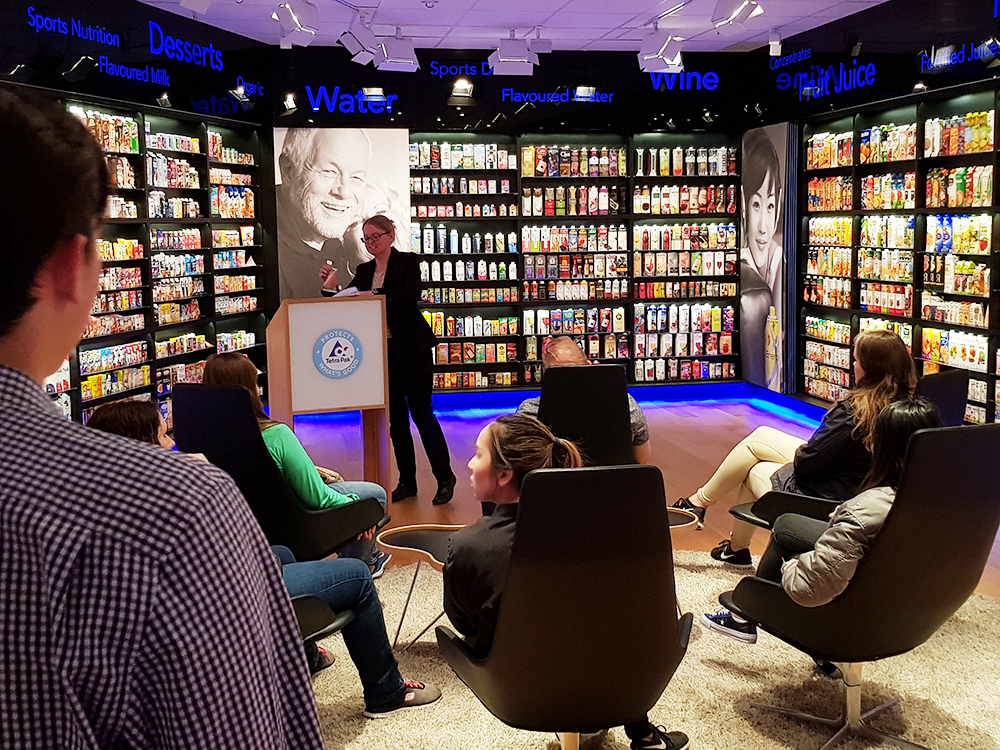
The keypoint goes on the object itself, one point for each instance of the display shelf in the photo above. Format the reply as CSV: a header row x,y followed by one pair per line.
x,y
527,190
108,397
920,147
152,132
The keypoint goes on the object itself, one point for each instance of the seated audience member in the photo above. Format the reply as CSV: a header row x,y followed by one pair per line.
x,y
306,480
831,464
342,584
815,560
120,563
479,555
139,420
564,351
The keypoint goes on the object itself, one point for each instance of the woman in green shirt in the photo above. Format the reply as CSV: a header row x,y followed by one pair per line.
x,y
316,488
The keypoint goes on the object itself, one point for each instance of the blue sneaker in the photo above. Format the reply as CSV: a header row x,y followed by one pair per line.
x,y
724,622
378,564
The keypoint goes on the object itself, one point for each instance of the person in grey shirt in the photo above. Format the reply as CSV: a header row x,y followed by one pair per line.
x,y
128,573
564,351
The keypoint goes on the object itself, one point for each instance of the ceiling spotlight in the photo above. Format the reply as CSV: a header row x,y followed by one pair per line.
x,y
80,69
584,93
539,45
919,86
164,100
360,42
774,43
735,11
660,52
239,94
856,49
461,94
198,6
396,54
461,87
290,106
707,117
299,21
285,42
671,124
513,58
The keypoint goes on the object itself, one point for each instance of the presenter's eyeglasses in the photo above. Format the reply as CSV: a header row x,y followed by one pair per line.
x,y
371,239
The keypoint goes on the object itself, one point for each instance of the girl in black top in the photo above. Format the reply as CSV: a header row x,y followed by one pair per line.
x,y
397,276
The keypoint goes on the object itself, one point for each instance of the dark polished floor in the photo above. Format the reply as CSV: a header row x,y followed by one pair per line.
x,y
688,440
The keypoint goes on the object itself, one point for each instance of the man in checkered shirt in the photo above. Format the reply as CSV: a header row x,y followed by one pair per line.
x,y
140,606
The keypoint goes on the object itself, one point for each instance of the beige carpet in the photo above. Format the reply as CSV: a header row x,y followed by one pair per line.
x,y
949,686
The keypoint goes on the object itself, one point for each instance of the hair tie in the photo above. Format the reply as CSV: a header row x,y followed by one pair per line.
x,y
558,440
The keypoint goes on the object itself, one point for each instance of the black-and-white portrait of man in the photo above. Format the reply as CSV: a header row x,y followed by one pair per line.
x,y
331,180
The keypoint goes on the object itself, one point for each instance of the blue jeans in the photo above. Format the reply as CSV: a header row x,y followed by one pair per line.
x,y
363,549
347,584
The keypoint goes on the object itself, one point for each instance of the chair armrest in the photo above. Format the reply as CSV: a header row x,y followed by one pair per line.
x,y
454,648
316,619
776,503
331,528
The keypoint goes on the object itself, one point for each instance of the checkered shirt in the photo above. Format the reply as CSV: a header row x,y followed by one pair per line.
x,y
140,606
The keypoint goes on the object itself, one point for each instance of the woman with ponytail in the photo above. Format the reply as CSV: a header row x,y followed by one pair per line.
x,y
479,555
831,464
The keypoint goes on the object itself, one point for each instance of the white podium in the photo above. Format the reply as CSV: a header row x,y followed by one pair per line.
x,y
328,355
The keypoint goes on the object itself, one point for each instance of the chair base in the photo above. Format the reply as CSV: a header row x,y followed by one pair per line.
x,y
852,722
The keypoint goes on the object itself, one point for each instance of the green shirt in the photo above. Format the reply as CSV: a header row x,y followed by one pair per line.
x,y
298,470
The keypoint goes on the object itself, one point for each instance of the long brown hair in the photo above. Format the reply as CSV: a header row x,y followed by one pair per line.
x,y
522,444
233,368
889,376
892,431
139,420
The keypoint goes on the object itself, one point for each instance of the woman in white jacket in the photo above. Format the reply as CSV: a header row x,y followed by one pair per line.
x,y
815,560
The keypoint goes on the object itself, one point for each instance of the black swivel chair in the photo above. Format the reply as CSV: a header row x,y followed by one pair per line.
x,y
588,404
218,421
316,620
948,391
588,634
946,510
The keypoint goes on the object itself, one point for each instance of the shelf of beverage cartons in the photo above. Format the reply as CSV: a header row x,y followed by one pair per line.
x,y
629,245
899,232
181,254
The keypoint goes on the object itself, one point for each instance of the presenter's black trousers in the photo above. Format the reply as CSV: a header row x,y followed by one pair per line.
x,y
410,380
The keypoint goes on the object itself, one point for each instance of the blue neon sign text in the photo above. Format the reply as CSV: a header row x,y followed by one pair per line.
x,y
177,49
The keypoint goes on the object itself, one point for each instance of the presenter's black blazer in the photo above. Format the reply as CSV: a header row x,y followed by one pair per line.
x,y
401,288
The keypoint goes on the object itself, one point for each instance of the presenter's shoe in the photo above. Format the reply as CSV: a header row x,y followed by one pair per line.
x,y
685,504
403,492
738,558
662,740
724,622
415,695
446,490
